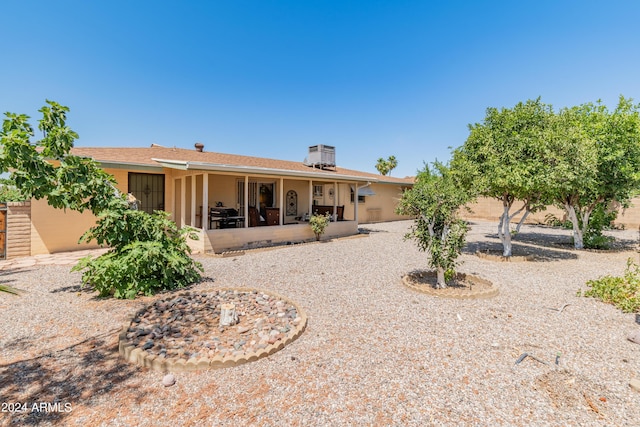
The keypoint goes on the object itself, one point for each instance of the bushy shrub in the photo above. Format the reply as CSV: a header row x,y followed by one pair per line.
x,y
319,224
623,292
148,254
601,219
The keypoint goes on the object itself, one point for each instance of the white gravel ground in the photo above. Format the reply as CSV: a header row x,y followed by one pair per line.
x,y
374,352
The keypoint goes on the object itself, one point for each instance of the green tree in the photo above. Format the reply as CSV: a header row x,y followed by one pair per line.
x,y
386,166
595,155
147,252
45,169
505,155
435,200
9,192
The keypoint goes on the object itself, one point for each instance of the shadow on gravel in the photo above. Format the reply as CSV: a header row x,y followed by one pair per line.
x,y
64,380
17,344
90,289
72,289
9,272
541,254
566,242
365,230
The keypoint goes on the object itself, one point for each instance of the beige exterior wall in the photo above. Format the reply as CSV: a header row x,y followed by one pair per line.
x,y
301,187
18,229
491,209
378,208
57,230
630,217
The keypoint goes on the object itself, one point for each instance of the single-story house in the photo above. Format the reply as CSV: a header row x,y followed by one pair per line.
x,y
234,201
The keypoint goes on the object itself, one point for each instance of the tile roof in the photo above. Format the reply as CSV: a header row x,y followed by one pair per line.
x,y
144,156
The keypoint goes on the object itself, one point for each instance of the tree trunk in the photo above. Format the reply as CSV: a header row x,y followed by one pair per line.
x,y
503,230
585,221
524,216
228,315
577,231
440,283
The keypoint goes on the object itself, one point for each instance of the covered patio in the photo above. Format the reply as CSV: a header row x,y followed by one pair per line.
x,y
243,207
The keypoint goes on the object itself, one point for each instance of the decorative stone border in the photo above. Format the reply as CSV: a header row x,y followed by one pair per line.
x,y
453,292
143,358
500,258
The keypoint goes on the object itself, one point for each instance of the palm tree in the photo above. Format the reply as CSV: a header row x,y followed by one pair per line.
x,y
382,166
391,164
386,166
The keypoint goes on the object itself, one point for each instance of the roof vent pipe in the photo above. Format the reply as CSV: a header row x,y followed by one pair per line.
x,y
199,147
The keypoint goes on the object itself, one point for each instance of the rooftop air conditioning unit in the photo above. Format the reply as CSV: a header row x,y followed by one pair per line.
x,y
321,156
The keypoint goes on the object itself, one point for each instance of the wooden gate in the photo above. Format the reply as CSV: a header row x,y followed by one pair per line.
x,y
3,231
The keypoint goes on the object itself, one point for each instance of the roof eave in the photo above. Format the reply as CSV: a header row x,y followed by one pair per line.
x,y
129,165
186,165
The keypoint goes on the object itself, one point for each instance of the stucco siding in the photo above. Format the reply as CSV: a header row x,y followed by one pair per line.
x,y
491,209
57,230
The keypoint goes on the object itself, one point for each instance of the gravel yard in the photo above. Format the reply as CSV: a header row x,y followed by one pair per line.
x,y
374,352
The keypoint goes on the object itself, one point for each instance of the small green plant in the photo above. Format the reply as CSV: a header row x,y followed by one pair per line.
x,y
319,224
601,219
623,292
148,254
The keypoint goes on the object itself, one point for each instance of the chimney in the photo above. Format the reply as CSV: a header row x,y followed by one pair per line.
x,y
199,147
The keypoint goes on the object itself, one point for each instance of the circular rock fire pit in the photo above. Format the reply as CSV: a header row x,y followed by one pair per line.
x,y
184,332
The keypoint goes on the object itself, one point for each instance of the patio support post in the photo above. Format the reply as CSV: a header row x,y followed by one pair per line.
x,y
183,200
246,201
310,198
205,201
335,200
192,220
281,201
170,197
355,203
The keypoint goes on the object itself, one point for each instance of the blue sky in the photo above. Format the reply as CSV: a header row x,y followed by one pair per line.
x,y
270,78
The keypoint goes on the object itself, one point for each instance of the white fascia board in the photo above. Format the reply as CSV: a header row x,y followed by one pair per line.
x,y
252,170
126,165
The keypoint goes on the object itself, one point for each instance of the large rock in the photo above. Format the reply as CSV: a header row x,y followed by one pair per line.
x,y
168,380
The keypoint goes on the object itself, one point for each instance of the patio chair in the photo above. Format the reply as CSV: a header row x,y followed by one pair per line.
x,y
255,219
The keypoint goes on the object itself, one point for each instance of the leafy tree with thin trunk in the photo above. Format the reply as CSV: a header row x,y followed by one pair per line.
x,y
505,156
147,252
595,155
435,200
